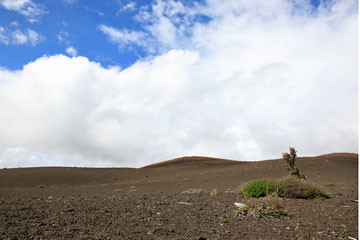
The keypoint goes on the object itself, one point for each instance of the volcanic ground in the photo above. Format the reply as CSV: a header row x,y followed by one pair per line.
x,y
184,198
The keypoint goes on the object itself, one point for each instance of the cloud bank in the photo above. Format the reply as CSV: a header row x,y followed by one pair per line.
x,y
244,83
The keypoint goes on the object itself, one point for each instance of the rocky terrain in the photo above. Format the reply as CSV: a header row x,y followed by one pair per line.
x,y
185,198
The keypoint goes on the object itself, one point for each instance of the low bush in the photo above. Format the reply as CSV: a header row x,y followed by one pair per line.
x,y
285,188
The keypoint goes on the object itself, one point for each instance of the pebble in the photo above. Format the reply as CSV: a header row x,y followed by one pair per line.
x,y
240,205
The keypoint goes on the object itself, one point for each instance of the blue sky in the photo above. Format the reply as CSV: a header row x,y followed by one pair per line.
x,y
128,83
77,23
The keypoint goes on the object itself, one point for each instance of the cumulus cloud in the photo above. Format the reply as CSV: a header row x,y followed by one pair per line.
x,y
253,79
71,51
27,8
19,37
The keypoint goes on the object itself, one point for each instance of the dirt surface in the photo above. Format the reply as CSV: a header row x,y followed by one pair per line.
x,y
172,200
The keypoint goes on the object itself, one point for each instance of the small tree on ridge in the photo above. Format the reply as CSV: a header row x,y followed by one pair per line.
x,y
290,159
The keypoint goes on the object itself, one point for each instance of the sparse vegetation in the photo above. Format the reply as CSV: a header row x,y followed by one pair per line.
x,y
118,190
262,209
290,159
285,188
330,184
196,190
42,186
214,192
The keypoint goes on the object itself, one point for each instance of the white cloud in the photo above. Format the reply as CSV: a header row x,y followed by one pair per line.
x,y
18,37
71,51
253,80
4,38
130,6
123,37
33,37
27,8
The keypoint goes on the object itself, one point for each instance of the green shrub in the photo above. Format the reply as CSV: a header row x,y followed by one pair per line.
x,y
258,188
284,188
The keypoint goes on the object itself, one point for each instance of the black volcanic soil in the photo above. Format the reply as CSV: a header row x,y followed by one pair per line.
x,y
156,202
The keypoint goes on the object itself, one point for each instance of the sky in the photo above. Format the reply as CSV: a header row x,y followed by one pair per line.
x,y
123,83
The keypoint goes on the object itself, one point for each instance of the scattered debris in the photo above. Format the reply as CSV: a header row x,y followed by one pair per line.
x,y
229,191
184,203
196,190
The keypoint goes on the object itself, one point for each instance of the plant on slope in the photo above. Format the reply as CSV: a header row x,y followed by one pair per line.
x,y
290,159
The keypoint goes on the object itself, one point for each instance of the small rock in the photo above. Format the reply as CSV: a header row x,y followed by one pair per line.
x,y
229,191
240,205
184,203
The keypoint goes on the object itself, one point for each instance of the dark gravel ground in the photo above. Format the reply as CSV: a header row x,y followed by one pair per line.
x,y
175,216
150,203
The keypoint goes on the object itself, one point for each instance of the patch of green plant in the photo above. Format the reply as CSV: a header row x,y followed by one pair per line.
x,y
284,188
259,188
330,184
42,186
